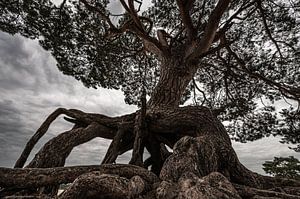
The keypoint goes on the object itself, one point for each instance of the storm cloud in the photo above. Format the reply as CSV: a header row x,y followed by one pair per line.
x,y
31,87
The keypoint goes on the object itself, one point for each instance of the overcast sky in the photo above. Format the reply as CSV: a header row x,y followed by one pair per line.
x,y
31,87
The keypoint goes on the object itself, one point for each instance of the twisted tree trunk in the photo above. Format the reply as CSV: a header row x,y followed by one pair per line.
x,y
203,163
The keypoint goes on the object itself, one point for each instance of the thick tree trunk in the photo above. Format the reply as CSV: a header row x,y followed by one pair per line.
x,y
175,75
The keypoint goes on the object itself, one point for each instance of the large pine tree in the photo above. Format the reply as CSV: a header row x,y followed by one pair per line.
x,y
225,55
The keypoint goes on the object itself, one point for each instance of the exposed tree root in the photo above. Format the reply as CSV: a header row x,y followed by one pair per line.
x,y
203,163
249,192
96,185
80,118
38,177
140,134
114,147
35,138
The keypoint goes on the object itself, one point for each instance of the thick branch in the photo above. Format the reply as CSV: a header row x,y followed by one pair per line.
x,y
113,150
182,122
140,133
80,117
151,44
210,31
184,8
55,151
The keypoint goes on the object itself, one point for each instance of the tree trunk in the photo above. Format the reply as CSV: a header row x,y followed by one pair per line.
x,y
175,75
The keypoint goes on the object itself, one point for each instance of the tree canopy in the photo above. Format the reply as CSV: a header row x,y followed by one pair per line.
x,y
253,57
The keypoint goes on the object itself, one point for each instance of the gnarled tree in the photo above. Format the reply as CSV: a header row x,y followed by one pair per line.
x,y
224,54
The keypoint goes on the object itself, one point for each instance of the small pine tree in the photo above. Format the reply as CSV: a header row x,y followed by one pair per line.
x,y
288,167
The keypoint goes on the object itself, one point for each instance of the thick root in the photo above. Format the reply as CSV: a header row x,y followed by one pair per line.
x,y
55,152
38,177
96,185
80,119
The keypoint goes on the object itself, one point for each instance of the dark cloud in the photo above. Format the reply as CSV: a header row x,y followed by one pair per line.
x,y
31,87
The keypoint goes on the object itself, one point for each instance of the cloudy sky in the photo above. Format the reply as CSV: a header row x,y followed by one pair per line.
x,y
31,87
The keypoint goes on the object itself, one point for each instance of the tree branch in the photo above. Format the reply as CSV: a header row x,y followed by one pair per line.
x,y
229,22
151,44
267,29
184,8
113,150
287,91
210,31
140,133
101,14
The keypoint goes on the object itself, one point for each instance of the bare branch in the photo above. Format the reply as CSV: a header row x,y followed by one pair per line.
x,y
201,91
113,150
133,14
229,22
80,117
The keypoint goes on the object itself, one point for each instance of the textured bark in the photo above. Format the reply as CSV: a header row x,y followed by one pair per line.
x,y
55,152
38,177
96,185
35,138
249,192
175,75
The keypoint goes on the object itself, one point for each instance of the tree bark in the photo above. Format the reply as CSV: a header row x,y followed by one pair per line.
x,y
175,75
38,177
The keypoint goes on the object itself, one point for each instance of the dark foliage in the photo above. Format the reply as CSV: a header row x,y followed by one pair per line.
x,y
287,167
